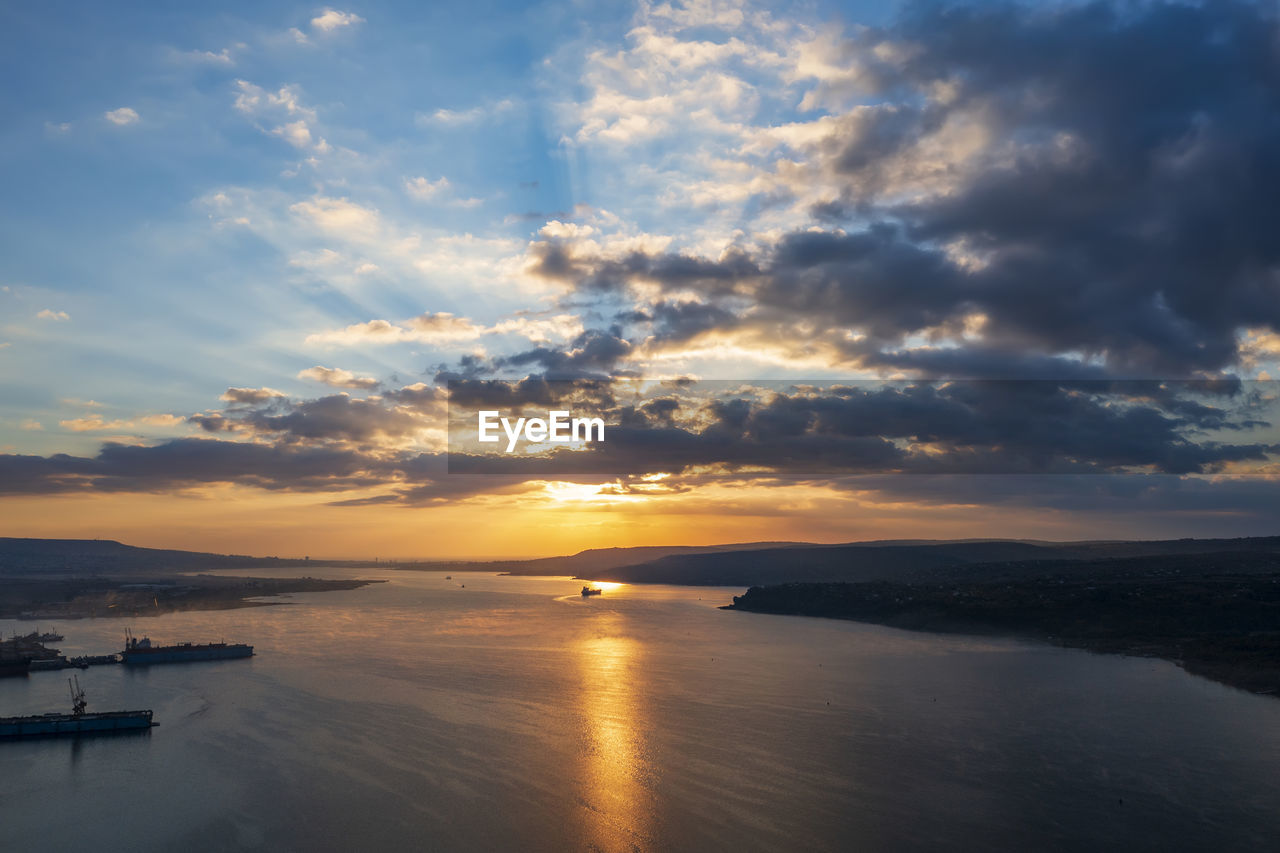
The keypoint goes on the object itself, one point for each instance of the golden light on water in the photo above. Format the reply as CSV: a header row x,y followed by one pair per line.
x,y
616,799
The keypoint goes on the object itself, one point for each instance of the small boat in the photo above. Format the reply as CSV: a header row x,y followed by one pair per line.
x,y
586,591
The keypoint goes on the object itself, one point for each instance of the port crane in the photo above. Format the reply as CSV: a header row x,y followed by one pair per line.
x,y
78,703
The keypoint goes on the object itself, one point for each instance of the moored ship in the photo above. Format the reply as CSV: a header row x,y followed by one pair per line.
x,y
78,722
143,652
17,653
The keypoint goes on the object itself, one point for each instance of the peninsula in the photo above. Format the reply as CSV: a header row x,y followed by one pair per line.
x,y
1215,615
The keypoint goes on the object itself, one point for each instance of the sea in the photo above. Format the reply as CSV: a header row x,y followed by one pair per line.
x,y
492,713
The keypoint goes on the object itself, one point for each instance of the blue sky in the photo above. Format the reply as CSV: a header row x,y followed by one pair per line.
x,y
141,135
111,222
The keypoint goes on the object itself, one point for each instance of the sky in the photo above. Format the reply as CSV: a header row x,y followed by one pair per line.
x,y
246,247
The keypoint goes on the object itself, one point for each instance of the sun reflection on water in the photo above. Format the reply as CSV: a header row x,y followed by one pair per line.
x,y
605,585
616,793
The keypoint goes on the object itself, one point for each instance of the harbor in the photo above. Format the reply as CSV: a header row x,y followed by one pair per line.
x,y
29,653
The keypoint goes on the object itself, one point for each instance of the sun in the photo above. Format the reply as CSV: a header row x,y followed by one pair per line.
x,y
595,493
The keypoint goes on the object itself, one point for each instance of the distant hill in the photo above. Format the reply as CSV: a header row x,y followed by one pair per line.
x,y
1214,613
108,557
604,559
907,562
735,564
853,562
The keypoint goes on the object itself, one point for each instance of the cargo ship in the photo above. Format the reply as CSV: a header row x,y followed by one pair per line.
x,y
141,651
589,590
78,722
17,653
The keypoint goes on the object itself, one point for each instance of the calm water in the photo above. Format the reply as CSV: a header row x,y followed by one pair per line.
x,y
513,715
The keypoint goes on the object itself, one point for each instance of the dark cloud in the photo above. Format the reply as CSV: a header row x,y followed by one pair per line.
x,y
554,259
420,397
1152,242
390,418
677,322
593,396
1162,504
468,366
191,462
1074,426
1127,207
592,354
778,433
213,422
509,395
1120,215
336,417
974,361
250,396
874,280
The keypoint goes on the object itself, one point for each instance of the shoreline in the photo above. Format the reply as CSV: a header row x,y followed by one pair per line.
x,y
1225,645
26,599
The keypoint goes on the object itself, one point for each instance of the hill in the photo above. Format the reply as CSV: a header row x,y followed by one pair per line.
x,y
107,556
909,562
734,564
